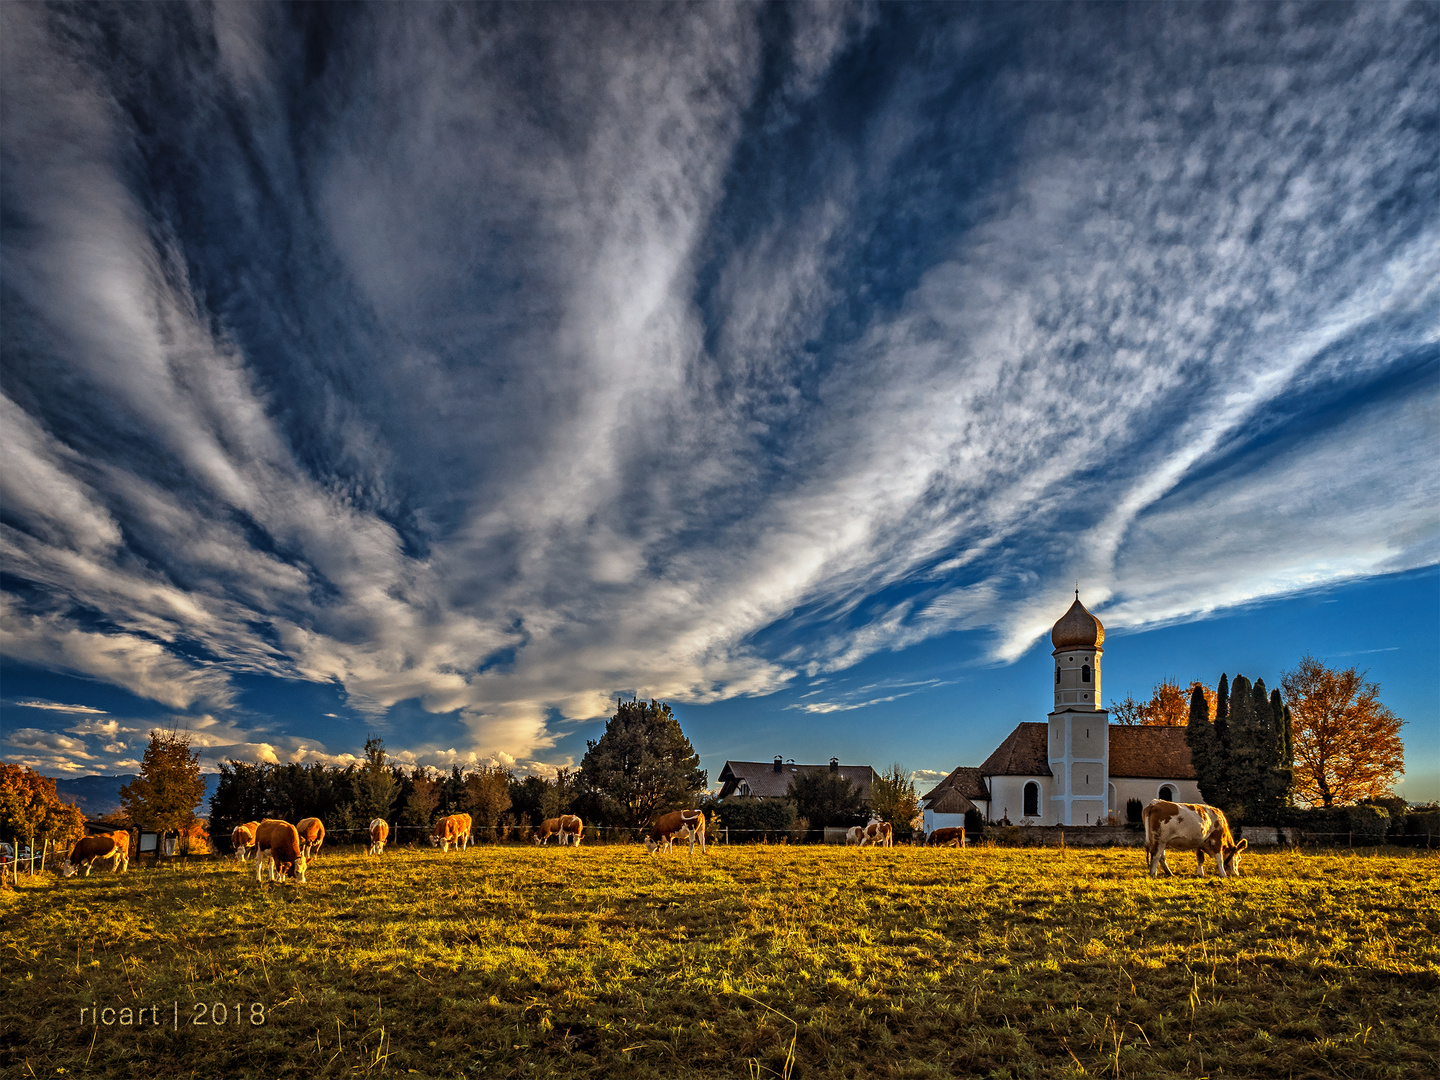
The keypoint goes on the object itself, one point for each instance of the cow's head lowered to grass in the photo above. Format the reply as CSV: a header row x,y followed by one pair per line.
x,y
1191,827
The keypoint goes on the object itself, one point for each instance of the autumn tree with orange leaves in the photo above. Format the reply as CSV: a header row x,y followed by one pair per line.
x,y
1169,706
1347,744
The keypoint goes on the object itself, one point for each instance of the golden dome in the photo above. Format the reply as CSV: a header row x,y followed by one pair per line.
x,y
1077,629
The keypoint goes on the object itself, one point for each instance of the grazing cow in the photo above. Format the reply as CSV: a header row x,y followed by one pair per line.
x,y
242,839
949,837
1190,827
875,834
569,828
379,833
278,844
312,835
677,825
454,829
88,849
122,837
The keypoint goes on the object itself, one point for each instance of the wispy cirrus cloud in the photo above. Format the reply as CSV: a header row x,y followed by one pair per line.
x,y
503,359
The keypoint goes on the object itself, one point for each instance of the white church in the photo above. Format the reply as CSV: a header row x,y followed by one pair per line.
x,y
1075,768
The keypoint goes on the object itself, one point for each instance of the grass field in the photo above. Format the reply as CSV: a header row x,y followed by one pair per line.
x,y
751,961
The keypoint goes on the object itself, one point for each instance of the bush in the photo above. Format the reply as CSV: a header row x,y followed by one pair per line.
x,y
1393,805
750,819
1422,824
1361,825
974,825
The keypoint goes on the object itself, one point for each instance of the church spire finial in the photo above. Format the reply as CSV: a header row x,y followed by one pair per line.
x,y
1077,588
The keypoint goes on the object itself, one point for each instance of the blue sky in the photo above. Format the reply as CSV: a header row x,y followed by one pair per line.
x,y
444,372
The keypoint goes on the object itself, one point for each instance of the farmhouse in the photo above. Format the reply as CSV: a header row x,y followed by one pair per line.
x,y
771,779
1075,767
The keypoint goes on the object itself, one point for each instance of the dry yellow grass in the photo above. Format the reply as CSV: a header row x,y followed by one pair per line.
x,y
801,961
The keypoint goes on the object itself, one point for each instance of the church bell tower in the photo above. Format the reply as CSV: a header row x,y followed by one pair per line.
x,y
1079,748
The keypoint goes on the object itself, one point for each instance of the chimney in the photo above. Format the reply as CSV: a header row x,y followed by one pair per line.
x,y
779,761
834,764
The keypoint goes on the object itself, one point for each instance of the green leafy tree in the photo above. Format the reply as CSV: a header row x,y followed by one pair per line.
x,y
240,796
826,799
527,793
423,799
487,795
893,799
560,794
164,796
642,766
452,792
374,785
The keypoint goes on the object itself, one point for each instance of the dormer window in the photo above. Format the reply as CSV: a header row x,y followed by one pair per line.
x,y
1085,673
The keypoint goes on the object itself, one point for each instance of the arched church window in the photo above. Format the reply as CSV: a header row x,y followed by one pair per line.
x,y
1167,793
1057,676
1085,673
1032,799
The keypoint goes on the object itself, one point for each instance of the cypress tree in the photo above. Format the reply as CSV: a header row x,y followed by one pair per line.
x,y
1240,758
1284,771
1204,749
1222,715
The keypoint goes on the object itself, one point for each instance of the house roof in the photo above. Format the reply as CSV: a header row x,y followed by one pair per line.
x,y
1158,753
964,780
949,801
1025,752
762,780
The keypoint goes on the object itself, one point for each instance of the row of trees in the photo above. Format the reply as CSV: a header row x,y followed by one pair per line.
x,y
1325,727
1244,756
641,767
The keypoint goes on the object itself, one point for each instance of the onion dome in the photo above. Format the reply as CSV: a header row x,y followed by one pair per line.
x,y
1078,629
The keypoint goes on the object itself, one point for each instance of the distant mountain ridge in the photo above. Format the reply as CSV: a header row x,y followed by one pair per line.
x,y
100,795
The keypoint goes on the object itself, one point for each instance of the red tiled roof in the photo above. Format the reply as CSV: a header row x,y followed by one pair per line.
x,y
1025,752
1158,753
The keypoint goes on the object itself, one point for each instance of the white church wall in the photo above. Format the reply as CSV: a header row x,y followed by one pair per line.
x,y
935,821
1127,788
1007,799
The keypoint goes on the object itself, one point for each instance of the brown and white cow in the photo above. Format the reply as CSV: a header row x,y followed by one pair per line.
x,y
278,844
677,825
242,839
88,849
312,835
569,828
873,834
1190,827
379,833
454,829
947,837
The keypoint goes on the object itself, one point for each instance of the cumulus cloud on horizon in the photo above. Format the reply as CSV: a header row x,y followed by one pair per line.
x,y
504,359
